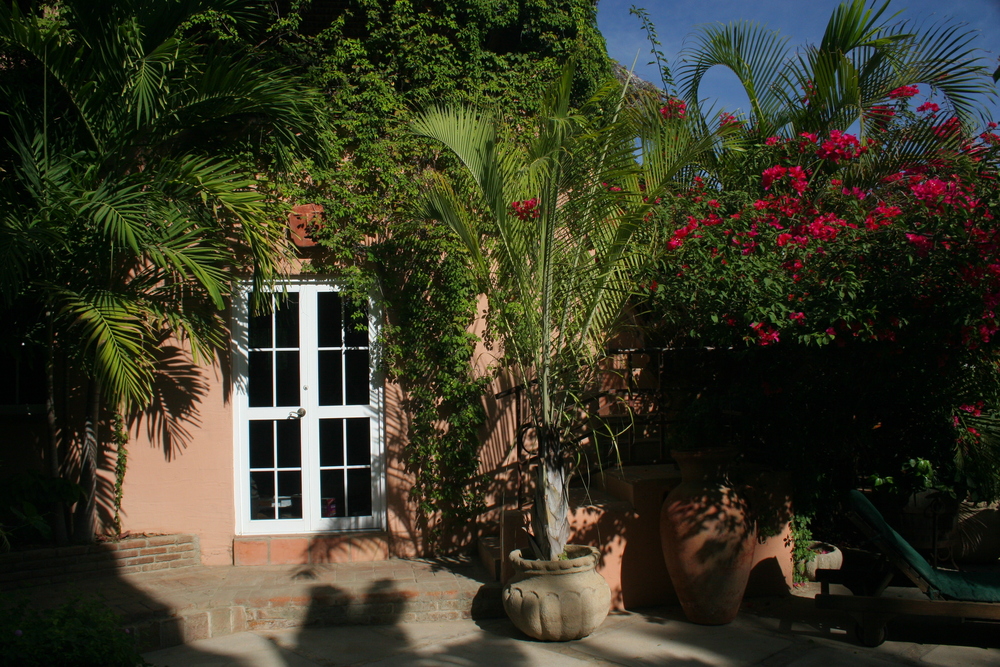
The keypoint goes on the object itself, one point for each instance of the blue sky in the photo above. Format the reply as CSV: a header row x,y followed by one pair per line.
x,y
802,22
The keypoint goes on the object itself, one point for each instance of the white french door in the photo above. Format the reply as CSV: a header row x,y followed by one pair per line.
x,y
308,415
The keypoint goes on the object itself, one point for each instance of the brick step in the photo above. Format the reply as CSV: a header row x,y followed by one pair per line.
x,y
166,609
151,553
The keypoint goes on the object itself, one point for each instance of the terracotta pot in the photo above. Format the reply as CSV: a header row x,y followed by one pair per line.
x,y
708,538
557,600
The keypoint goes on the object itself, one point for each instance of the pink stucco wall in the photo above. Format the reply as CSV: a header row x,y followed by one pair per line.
x,y
180,468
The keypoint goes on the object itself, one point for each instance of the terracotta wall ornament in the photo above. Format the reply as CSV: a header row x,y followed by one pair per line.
x,y
303,222
708,537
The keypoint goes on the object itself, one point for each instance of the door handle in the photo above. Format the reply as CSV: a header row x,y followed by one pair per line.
x,y
297,414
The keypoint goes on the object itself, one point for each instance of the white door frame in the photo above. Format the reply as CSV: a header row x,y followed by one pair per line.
x,y
311,521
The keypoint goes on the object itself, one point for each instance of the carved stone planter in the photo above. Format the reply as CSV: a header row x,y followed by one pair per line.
x,y
828,557
557,600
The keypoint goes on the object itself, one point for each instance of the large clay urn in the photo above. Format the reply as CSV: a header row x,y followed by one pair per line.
x,y
557,600
708,538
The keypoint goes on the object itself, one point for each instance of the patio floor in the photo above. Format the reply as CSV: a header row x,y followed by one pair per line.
x,y
425,612
171,607
785,632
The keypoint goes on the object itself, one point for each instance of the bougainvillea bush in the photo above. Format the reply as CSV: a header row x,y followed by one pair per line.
x,y
859,280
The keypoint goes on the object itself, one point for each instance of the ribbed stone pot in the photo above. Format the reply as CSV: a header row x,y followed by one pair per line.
x,y
828,557
557,600
708,537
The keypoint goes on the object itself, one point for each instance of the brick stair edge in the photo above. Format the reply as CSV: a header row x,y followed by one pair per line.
x,y
42,567
159,633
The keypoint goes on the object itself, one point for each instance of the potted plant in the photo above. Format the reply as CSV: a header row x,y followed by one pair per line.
x,y
548,223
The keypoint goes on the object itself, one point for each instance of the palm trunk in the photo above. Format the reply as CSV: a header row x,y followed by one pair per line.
x,y
58,520
85,515
550,516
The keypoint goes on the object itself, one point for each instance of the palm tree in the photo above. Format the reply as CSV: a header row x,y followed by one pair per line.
x,y
862,62
123,213
549,221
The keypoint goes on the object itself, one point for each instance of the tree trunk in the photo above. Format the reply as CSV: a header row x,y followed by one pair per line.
x,y
85,515
550,516
58,520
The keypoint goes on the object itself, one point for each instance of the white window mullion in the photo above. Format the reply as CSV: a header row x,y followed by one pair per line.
x,y
308,377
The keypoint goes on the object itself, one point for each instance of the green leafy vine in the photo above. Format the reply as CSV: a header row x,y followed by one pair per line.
x,y
494,55
120,437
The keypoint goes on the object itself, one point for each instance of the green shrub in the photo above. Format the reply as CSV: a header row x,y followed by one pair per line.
x,y
79,633
802,552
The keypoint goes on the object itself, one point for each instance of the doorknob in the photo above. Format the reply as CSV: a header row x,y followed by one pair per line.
x,y
297,414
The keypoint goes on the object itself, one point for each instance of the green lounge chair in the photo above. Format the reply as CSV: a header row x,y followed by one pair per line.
x,y
974,595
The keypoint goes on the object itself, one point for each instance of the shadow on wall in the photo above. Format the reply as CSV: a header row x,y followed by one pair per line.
x,y
173,413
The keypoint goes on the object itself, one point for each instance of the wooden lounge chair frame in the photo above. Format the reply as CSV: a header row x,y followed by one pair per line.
x,y
871,611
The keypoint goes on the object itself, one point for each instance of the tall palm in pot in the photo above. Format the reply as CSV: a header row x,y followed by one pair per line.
x,y
550,217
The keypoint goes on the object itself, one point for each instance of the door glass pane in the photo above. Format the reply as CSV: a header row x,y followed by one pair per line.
x,y
286,321
259,380
332,494
287,378
261,444
328,319
262,495
358,442
260,330
281,483
358,379
289,494
356,331
289,443
330,390
331,442
359,492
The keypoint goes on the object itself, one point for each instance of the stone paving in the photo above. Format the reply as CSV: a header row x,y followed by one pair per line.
x,y
169,608
786,632
424,613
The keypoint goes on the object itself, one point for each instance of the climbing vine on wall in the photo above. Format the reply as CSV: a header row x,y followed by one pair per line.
x,y
378,61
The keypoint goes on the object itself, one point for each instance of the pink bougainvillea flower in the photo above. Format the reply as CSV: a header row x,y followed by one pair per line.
x,y
880,115
798,318
840,146
949,128
928,106
674,109
921,243
771,174
766,334
904,91
727,119
527,209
